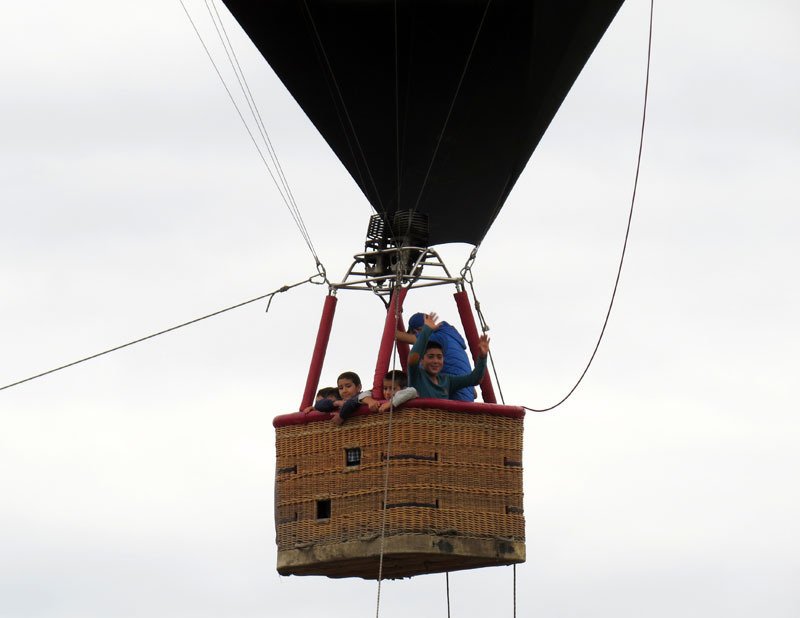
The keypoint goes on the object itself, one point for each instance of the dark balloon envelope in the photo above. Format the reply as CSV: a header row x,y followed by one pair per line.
x,y
431,105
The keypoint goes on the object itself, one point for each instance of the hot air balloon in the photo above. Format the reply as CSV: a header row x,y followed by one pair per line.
x,y
434,107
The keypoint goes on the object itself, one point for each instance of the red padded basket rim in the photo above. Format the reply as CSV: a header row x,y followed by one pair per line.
x,y
299,418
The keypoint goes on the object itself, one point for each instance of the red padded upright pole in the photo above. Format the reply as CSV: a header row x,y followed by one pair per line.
x,y
471,332
391,324
320,347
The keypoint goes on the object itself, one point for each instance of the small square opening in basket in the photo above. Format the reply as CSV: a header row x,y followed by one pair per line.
x,y
352,456
324,509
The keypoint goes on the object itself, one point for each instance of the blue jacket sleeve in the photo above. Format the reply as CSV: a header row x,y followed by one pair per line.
x,y
325,405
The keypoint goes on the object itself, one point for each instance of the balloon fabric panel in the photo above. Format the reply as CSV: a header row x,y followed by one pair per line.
x,y
446,124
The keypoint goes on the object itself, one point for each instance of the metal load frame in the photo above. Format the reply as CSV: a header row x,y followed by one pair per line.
x,y
389,272
382,270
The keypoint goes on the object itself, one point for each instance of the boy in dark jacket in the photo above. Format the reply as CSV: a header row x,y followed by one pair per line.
x,y
350,398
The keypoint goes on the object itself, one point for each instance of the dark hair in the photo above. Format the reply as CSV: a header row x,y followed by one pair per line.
x,y
350,375
434,344
398,377
328,391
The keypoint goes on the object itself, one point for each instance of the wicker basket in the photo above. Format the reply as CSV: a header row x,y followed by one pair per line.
x,y
453,491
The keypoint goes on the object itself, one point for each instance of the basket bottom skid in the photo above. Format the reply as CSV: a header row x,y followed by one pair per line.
x,y
404,555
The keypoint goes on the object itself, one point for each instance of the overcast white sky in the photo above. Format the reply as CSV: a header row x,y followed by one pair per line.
x,y
140,484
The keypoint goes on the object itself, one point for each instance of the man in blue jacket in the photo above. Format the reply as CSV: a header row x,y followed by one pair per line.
x,y
456,361
426,361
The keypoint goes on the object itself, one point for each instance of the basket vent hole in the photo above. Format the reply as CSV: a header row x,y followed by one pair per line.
x,y
352,456
323,509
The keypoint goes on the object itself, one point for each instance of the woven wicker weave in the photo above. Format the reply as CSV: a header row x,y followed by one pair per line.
x,y
454,496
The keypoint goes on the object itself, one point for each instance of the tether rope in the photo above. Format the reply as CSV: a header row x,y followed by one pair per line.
x,y
169,330
293,211
466,271
514,592
397,291
627,229
466,274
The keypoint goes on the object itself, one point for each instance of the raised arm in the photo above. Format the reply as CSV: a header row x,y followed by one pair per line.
x,y
483,345
405,337
421,343
474,378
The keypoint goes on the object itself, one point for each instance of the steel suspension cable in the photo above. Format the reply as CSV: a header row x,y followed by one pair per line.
x,y
396,106
244,86
342,102
452,104
293,212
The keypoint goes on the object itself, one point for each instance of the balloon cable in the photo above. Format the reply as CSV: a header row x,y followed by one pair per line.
x,y
222,33
352,128
453,103
278,178
466,271
514,590
388,449
628,228
315,279
396,110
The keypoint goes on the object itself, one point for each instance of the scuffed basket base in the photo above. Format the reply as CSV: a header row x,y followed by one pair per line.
x,y
404,555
